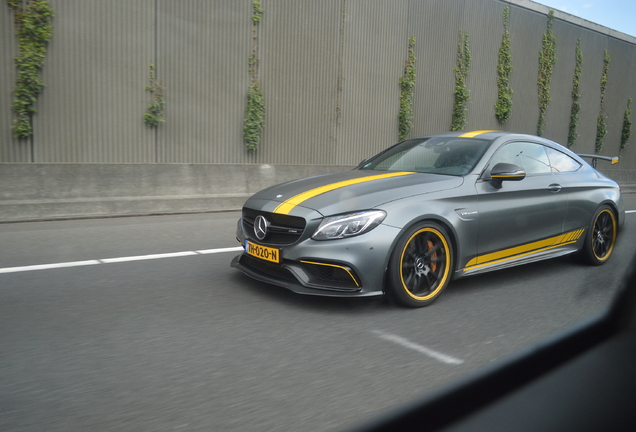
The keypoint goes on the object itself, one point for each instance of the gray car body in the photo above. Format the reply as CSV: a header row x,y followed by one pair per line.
x,y
539,217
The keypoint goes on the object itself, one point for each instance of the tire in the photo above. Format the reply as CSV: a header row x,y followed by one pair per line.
x,y
601,237
420,265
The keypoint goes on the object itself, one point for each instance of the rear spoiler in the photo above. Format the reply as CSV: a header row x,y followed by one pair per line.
x,y
612,159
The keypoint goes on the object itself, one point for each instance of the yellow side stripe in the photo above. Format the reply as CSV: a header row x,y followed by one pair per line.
x,y
518,256
286,206
475,133
574,235
527,249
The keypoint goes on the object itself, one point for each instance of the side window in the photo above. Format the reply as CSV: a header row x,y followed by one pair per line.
x,y
561,162
531,157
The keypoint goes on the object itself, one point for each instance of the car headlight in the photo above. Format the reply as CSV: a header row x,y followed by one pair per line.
x,y
349,225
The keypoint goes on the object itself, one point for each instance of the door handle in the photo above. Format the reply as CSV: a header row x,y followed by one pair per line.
x,y
554,187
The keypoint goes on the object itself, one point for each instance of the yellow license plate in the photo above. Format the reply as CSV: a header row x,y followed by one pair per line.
x,y
262,252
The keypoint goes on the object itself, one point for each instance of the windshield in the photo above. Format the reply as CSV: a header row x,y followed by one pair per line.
x,y
450,156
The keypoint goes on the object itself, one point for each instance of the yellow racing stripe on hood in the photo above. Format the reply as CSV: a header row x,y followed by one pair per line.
x,y
475,133
286,206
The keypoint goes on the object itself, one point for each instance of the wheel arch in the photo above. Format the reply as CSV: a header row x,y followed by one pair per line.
x,y
444,223
614,207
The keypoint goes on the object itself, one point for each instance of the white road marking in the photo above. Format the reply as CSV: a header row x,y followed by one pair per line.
x,y
213,251
417,347
630,211
147,257
116,260
48,266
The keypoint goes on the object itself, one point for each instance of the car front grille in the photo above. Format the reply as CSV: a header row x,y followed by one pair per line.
x,y
283,229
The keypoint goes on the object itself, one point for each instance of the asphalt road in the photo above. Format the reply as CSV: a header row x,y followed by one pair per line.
x,y
183,342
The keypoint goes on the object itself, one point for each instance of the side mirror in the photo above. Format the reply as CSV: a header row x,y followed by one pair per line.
x,y
506,172
362,162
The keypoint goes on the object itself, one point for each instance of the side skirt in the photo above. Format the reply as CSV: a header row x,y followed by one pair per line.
x,y
515,261
551,247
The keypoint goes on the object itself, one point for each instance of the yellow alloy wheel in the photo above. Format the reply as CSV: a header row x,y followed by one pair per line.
x,y
601,237
420,267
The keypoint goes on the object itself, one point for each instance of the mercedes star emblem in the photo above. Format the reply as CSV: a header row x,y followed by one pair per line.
x,y
260,227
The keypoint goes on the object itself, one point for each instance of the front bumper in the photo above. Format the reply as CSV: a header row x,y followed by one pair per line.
x,y
294,278
352,267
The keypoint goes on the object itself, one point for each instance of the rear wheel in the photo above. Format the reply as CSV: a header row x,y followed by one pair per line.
x,y
601,237
420,266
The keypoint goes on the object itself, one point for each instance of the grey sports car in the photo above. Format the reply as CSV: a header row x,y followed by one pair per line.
x,y
428,210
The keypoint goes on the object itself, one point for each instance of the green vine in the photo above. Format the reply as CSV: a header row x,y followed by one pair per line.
x,y
407,86
601,128
257,13
503,107
154,113
33,20
627,125
343,17
255,109
462,95
547,60
576,95
254,118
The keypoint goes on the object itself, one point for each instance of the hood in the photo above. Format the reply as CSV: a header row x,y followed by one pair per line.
x,y
348,191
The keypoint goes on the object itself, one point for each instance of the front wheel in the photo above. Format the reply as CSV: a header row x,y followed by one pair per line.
x,y
601,237
420,265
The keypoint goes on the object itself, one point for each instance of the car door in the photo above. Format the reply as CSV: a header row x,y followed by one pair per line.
x,y
578,187
520,212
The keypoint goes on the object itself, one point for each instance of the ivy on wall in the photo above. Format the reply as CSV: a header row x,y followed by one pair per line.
x,y
576,95
627,125
257,12
343,17
33,20
503,106
254,117
154,112
462,95
601,128
407,86
547,60
255,109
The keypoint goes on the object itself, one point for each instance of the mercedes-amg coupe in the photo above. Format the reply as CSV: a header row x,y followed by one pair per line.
x,y
429,210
